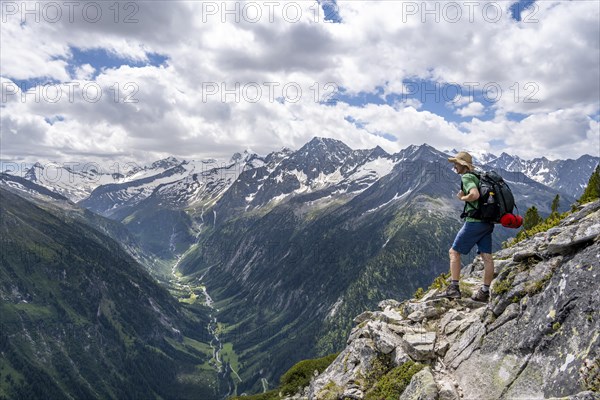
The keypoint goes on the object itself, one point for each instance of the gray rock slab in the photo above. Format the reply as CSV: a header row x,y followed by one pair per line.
x,y
422,386
420,347
389,303
573,236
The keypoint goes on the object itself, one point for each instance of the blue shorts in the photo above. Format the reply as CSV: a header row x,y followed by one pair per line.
x,y
474,233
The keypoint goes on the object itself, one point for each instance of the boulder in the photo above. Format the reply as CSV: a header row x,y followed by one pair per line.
x,y
471,304
451,316
511,312
441,347
399,356
572,237
391,316
421,387
464,347
527,254
537,345
389,303
358,332
354,361
500,265
421,346
365,316
406,329
416,316
446,390
384,338
439,304
353,393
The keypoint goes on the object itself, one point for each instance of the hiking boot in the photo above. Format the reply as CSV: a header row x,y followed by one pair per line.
x,y
452,292
480,295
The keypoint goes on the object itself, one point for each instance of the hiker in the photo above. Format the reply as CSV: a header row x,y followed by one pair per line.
x,y
474,231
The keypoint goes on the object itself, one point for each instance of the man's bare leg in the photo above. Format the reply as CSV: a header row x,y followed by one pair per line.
x,y
455,264
453,291
488,268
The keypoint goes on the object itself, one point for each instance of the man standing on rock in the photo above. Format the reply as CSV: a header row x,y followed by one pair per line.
x,y
474,231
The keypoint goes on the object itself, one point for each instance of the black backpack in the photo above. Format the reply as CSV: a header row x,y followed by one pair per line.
x,y
495,198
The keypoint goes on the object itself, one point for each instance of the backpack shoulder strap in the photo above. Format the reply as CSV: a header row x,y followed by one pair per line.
x,y
475,174
478,176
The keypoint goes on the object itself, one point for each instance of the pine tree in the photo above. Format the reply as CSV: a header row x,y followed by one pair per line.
x,y
555,204
592,191
532,218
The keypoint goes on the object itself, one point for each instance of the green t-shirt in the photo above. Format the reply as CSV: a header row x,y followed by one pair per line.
x,y
470,181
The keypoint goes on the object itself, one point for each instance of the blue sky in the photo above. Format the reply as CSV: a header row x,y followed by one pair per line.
x,y
398,72
100,59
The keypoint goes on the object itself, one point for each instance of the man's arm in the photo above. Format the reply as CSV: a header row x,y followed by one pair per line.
x,y
472,196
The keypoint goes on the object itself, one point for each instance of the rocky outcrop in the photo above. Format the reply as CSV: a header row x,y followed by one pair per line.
x,y
537,338
421,387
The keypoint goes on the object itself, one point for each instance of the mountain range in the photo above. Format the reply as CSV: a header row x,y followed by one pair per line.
x,y
292,245
129,183
81,318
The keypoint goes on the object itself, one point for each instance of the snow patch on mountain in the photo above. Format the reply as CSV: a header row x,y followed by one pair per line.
x,y
396,197
377,168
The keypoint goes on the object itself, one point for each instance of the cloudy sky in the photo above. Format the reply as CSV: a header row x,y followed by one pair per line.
x,y
141,80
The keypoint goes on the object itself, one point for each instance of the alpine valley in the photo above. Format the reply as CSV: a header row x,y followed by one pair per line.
x,y
206,279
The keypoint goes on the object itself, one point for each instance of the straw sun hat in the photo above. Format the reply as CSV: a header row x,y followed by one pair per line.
x,y
463,158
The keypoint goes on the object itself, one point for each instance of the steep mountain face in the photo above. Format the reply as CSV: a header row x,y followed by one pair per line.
x,y
80,318
27,186
186,186
158,208
538,337
321,169
480,157
62,205
74,184
567,177
108,199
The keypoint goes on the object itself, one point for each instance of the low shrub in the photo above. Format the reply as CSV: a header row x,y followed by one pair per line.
x,y
391,385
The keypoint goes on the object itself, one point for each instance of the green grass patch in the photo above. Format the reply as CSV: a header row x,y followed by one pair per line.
x,y
300,374
503,286
198,346
295,378
419,293
556,326
535,287
229,356
189,300
391,385
380,366
9,313
465,289
553,220
187,348
440,282
9,377
34,311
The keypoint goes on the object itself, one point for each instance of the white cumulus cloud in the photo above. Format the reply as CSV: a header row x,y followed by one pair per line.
x,y
544,69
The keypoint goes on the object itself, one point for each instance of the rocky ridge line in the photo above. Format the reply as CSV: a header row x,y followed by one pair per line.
x,y
538,338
